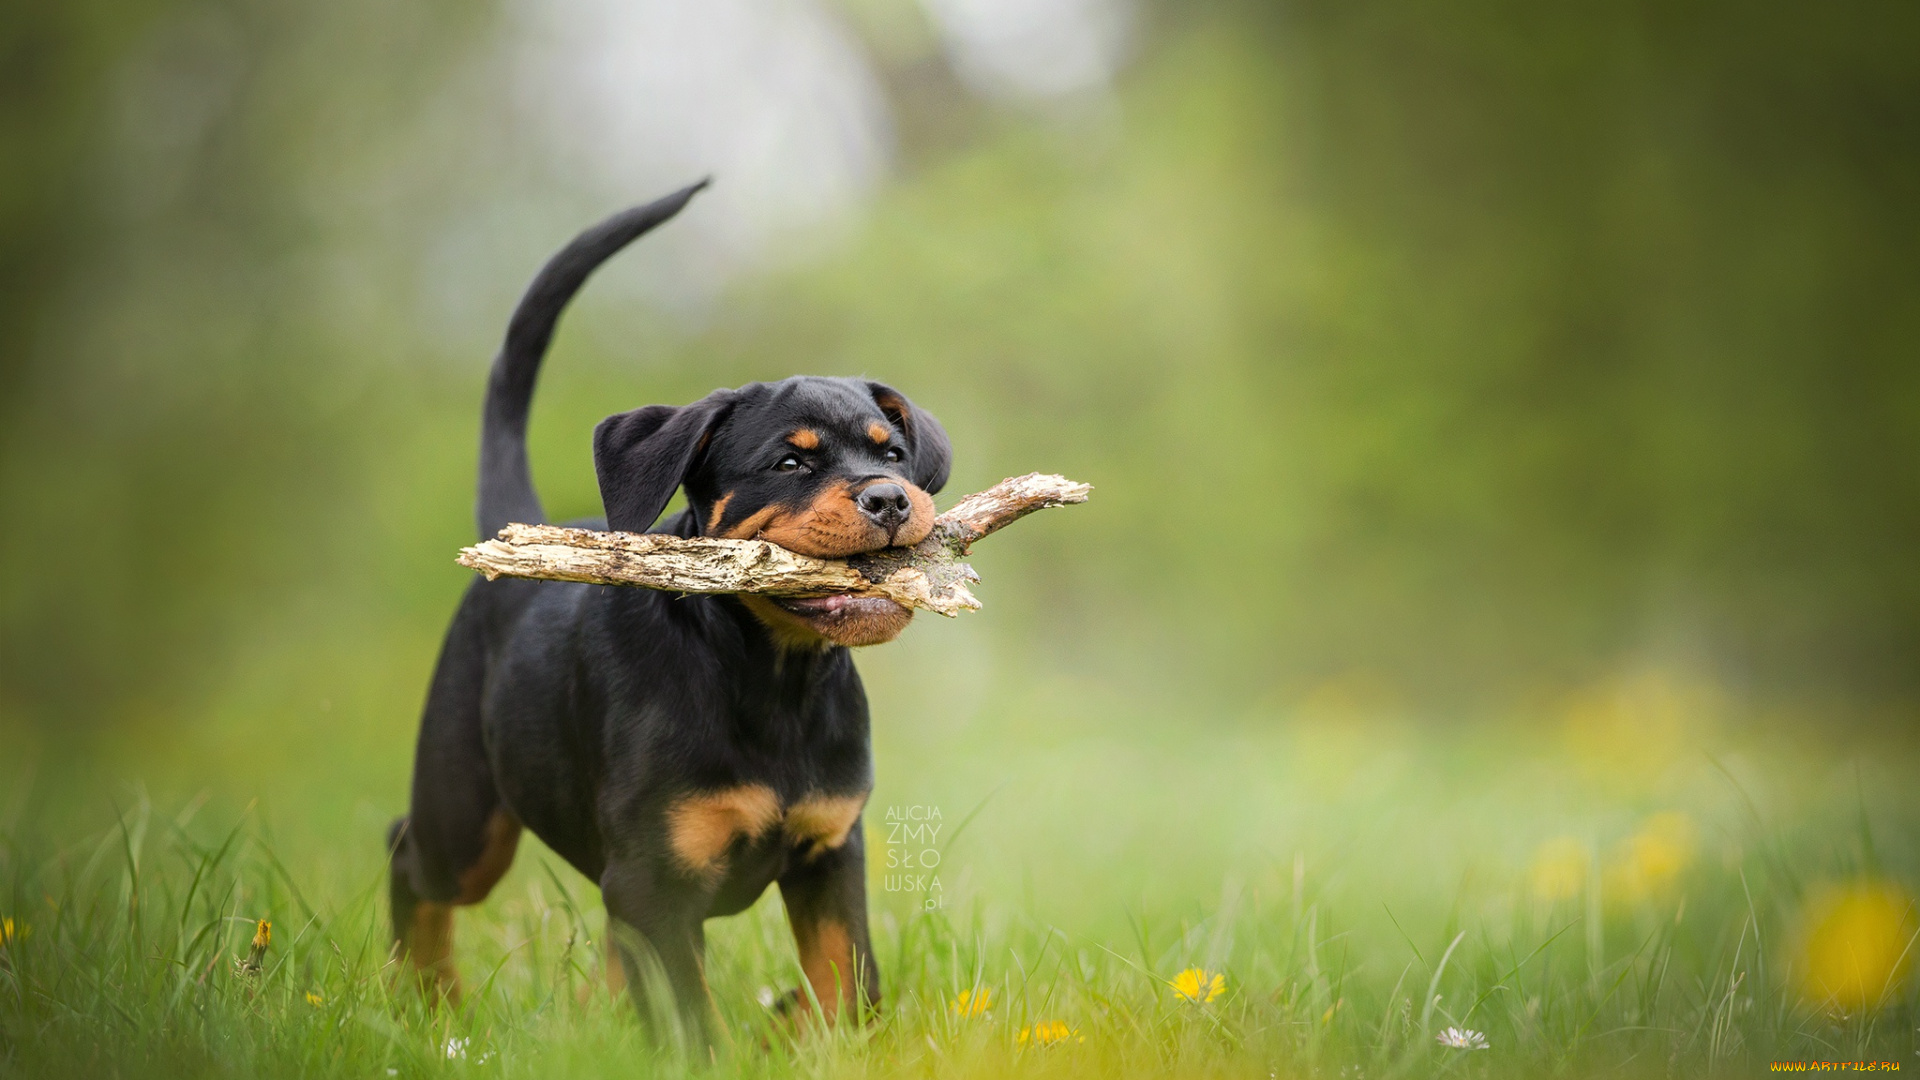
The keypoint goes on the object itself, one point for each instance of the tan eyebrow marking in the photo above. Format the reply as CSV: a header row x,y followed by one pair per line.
x,y
879,432
806,438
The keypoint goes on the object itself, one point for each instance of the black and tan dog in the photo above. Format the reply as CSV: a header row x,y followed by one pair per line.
x,y
683,752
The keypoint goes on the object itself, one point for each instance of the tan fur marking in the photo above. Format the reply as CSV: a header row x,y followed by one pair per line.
x,y
790,632
806,438
895,407
822,822
496,858
719,511
919,518
879,432
830,527
616,970
748,528
700,828
826,958
429,944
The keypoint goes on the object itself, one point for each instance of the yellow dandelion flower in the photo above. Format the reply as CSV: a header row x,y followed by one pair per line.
x,y
262,937
972,1003
1627,731
8,932
1648,864
315,1000
1857,944
1199,985
1049,1032
1559,870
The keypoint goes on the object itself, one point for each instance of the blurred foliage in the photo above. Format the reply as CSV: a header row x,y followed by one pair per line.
x,y
1461,355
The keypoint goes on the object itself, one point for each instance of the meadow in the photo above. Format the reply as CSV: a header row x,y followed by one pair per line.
x,y
1628,882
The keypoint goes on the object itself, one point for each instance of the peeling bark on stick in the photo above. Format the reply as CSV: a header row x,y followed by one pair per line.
x,y
929,575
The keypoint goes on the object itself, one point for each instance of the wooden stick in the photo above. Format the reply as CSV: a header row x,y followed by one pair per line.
x,y
929,575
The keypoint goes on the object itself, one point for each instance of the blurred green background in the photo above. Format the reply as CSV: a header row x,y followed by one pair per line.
x,y
1500,410
1481,353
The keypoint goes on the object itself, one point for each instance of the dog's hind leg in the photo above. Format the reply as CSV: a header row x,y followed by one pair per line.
x,y
459,838
422,929
402,900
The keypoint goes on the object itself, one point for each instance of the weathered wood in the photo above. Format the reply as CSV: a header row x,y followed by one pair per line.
x,y
929,575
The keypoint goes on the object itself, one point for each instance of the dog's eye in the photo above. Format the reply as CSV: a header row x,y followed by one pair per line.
x,y
894,453
790,463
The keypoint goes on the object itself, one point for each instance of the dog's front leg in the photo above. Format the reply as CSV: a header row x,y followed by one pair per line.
x,y
825,892
655,923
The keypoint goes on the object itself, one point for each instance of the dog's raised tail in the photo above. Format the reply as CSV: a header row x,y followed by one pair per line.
x,y
506,484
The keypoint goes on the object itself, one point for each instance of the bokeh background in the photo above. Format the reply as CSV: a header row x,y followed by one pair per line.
x,y
1504,420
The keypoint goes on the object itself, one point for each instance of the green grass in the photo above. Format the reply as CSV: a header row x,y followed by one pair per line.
x,y
1361,884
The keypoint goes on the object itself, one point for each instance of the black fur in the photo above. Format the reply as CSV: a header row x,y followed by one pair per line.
x,y
506,487
589,714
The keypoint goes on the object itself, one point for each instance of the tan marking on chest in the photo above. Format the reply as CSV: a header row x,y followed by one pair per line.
x,y
701,827
822,822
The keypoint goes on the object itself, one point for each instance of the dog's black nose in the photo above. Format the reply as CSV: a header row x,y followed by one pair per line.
x,y
886,504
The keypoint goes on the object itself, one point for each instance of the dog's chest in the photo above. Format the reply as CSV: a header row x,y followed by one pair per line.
x,y
702,829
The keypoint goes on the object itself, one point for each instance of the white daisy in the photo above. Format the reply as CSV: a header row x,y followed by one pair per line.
x,y
1462,1039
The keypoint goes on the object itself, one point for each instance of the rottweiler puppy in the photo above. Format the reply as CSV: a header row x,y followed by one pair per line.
x,y
682,751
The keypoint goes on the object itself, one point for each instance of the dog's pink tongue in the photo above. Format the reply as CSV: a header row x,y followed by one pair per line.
x,y
819,605
837,604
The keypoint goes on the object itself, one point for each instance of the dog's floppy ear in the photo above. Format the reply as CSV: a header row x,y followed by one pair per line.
x,y
643,455
932,454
